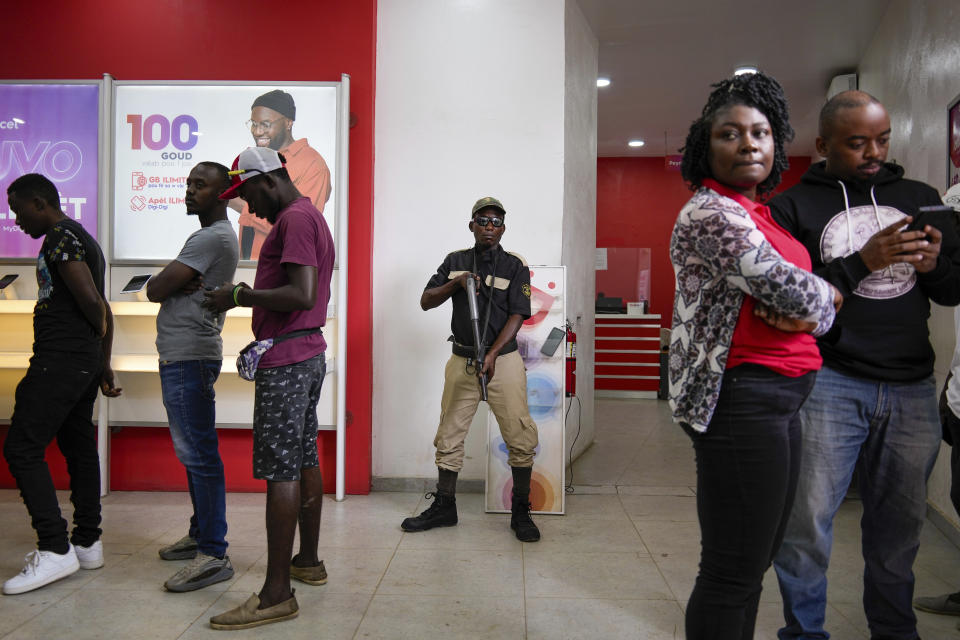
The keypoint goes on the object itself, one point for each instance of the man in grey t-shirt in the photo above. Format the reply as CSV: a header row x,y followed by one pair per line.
x,y
191,354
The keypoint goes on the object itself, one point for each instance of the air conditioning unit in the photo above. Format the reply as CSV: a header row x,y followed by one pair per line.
x,y
843,82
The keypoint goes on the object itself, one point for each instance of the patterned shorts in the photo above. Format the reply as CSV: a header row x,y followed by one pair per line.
x,y
285,419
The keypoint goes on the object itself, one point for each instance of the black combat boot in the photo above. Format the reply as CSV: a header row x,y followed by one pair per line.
x,y
442,513
520,520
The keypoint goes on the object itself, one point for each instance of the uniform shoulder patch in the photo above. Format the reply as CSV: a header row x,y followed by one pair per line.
x,y
525,288
519,257
453,253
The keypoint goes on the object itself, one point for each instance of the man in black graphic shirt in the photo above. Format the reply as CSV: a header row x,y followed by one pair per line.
x,y
73,334
873,407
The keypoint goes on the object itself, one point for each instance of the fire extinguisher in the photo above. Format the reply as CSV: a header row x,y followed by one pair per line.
x,y
571,362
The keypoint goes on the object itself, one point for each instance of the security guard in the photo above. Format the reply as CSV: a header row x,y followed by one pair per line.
x,y
503,300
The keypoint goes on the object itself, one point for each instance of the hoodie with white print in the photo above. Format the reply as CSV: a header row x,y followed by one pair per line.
x,y
881,331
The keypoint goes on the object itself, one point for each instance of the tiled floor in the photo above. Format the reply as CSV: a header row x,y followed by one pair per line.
x,y
620,564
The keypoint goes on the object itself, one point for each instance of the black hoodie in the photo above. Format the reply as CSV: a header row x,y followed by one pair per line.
x,y
881,331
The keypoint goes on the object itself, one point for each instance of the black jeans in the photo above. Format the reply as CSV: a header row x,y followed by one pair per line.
x,y
747,466
55,400
953,426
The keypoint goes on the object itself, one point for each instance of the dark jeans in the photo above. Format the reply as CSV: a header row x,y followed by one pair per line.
x,y
747,465
189,398
55,400
953,425
890,433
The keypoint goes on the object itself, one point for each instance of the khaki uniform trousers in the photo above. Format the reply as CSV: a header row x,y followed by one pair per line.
x,y
507,397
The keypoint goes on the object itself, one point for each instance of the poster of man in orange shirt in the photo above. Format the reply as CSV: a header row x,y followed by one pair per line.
x,y
271,123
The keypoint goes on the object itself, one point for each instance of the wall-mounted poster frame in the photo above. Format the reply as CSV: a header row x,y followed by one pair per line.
x,y
56,128
953,142
50,127
160,129
546,386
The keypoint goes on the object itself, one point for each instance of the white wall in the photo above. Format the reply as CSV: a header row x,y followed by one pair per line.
x,y
470,103
911,66
580,210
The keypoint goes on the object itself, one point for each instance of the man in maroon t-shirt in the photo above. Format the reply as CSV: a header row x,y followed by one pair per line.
x,y
289,300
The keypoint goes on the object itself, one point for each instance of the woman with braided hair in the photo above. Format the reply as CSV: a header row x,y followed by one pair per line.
x,y
742,355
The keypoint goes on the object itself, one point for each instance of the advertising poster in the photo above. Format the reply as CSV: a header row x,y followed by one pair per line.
x,y
49,129
953,151
162,131
545,398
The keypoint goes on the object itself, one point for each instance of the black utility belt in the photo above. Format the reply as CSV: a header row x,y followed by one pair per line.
x,y
468,351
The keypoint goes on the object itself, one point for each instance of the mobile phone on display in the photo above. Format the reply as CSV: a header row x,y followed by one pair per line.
x,y
7,279
552,343
136,284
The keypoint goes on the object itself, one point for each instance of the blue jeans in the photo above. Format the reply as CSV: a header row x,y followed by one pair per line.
x,y
188,396
747,465
891,433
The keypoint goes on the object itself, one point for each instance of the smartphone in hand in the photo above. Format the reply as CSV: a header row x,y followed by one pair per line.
x,y
935,216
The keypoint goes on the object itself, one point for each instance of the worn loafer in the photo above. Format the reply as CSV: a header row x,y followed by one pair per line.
x,y
942,605
311,575
249,615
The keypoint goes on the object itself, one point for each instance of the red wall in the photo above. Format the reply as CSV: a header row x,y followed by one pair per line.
x,y
214,40
638,200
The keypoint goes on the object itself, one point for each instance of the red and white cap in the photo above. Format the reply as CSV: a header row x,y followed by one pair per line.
x,y
252,161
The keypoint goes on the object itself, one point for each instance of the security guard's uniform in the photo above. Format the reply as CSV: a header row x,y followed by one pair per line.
x,y
507,277
503,291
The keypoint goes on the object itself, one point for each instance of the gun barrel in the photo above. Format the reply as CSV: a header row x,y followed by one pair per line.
x,y
475,322
472,299
483,387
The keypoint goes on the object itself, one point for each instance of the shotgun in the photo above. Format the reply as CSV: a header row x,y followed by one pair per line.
x,y
477,345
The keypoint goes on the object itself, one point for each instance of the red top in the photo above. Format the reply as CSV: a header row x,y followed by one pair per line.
x,y
787,353
300,236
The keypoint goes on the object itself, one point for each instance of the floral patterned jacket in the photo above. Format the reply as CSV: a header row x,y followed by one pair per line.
x,y
719,256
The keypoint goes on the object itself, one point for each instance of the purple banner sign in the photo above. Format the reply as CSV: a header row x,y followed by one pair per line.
x,y
49,129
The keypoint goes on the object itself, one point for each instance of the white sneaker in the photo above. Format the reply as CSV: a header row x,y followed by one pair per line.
x,y
90,557
41,568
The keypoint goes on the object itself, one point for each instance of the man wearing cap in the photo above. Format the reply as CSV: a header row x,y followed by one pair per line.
x,y
191,355
289,300
503,301
271,124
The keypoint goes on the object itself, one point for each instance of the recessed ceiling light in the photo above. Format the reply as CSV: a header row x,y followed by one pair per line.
x,y
603,82
636,143
739,71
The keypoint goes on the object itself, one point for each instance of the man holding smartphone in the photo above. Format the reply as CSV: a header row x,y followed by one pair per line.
x,y
191,354
289,299
503,298
873,406
73,337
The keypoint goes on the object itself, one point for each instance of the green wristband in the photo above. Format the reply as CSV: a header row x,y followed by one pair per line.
x,y
236,290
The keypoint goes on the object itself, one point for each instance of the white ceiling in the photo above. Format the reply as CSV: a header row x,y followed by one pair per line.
x,y
662,56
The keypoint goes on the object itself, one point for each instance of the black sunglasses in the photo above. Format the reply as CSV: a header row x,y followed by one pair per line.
x,y
485,220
